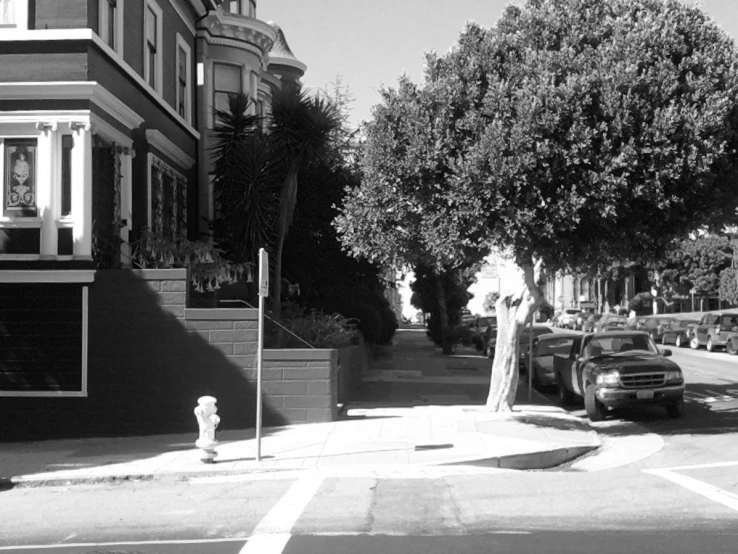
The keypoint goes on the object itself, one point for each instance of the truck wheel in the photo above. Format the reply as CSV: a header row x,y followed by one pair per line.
x,y
710,347
596,411
565,395
678,341
676,409
694,344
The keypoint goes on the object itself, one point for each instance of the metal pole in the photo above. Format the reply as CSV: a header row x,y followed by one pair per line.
x,y
263,292
530,361
259,360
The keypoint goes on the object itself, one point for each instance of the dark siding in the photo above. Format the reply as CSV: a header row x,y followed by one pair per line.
x,y
43,61
40,337
58,14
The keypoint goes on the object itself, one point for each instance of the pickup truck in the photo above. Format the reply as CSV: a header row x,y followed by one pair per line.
x,y
613,369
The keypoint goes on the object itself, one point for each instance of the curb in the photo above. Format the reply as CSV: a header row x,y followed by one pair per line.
x,y
527,461
530,460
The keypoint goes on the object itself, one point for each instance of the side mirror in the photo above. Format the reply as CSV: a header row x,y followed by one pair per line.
x,y
666,352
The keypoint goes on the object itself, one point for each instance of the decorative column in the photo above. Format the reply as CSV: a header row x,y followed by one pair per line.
x,y
45,193
82,189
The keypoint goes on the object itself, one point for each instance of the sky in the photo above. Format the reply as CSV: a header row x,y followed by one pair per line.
x,y
370,43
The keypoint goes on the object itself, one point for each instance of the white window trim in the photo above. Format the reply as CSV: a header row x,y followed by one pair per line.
x,y
6,222
159,46
21,17
182,43
57,277
119,24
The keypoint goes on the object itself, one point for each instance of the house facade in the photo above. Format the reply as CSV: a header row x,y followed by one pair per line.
x,y
106,113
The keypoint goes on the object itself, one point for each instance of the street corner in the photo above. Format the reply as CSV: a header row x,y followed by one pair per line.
x,y
617,449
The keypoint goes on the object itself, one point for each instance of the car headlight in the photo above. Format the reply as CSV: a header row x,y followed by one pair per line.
x,y
608,379
674,375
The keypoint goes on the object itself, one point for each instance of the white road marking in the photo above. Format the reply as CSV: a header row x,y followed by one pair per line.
x,y
700,487
273,532
700,466
120,543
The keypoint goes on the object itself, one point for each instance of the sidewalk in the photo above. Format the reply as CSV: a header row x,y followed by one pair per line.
x,y
419,413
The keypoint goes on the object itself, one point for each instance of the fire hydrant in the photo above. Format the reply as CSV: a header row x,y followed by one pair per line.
x,y
208,422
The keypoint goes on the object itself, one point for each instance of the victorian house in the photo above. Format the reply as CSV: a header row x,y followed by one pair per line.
x,y
106,109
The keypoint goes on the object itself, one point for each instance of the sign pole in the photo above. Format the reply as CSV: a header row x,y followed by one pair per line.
x,y
263,293
530,362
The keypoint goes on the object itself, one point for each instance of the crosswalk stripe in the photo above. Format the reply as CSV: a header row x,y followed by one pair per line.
x,y
272,533
707,490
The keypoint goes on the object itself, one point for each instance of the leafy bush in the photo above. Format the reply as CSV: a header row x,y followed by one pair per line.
x,y
314,327
641,303
208,268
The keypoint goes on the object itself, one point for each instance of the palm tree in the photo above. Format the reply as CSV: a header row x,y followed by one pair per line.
x,y
246,183
300,133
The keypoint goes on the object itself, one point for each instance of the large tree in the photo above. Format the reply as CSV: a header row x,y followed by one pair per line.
x,y
593,131
399,216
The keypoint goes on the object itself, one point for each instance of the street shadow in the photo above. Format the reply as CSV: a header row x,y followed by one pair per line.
x,y
709,409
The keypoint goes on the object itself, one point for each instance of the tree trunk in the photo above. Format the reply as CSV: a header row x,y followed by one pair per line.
x,y
287,203
513,311
446,331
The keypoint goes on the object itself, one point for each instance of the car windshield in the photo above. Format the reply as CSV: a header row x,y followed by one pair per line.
x,y
619,344
549,347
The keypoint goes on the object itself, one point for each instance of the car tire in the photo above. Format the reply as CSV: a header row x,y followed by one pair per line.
x,y
676,409
694,344
566,397
710,347
678,341
595,409
730,348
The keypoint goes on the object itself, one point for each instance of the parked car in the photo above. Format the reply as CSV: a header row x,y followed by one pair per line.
x,y
655,326
482,329
713,329
589,323
545,346
525,340
568,318
679,333
636,323
581,318
610,322
731,346
619,368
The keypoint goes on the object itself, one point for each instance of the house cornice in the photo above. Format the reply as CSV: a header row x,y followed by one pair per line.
x,y
74,90
167,147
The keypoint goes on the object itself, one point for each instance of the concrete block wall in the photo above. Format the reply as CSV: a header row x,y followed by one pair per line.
x,y
302,384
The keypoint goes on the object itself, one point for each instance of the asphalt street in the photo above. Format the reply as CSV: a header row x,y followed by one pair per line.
x,y
682,497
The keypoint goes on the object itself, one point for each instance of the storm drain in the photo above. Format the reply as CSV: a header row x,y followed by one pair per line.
x,y
421,447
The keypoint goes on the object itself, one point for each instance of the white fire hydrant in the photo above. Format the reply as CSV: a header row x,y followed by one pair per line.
x,y
208,422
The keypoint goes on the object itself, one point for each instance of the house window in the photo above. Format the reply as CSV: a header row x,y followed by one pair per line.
x,y
19,178
152,45
14,14
240,7
227,81
108,22
66,175
167,216
184,78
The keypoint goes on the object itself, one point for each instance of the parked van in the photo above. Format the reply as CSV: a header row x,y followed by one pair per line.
x,y
713,329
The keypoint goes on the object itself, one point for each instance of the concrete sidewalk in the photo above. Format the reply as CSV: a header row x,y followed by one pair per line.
x,y
418,413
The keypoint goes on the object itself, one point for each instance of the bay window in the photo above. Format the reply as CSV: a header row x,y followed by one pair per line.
x,y
110,23
227,81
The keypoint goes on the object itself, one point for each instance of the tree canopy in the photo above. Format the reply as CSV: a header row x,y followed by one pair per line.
x,y
573,134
